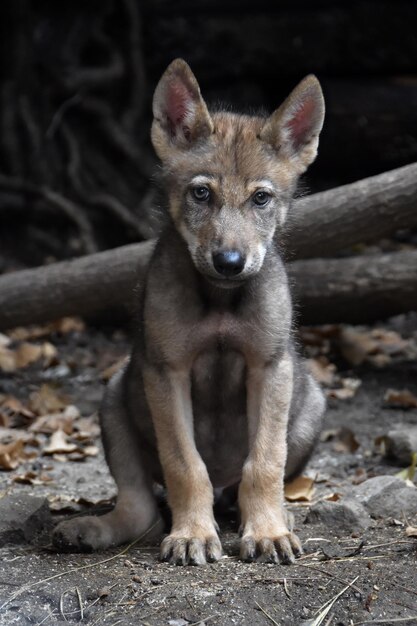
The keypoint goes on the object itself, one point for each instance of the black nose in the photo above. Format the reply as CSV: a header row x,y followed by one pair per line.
x,y
228,263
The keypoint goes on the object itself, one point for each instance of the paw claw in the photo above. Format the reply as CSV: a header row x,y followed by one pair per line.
x,y
190,550
283,549
248,549
296,546
268,554
213,549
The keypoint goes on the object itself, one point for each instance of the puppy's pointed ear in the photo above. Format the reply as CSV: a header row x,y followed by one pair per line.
x,y
180,114
294,128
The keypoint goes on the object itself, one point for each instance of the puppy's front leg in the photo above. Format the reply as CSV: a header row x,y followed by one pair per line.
x,y
261,492
193,538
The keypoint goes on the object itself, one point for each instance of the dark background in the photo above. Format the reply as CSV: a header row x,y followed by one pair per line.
x,y
76,88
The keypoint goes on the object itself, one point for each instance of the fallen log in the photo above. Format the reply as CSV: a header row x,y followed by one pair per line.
x,y
320,224
353,289
325,223
89,285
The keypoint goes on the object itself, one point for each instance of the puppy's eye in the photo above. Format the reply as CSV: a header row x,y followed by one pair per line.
x,y
201,193
261,198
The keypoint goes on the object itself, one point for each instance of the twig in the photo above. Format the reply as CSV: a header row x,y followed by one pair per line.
x,y
392,620
109,202
69,208
93,76
329,574
36,156
119,210
89,606
358,558
266,614
327,606
50,615
388,543
287,593
77,591
77,569
113,132
61,604
397,584
205,619
59,114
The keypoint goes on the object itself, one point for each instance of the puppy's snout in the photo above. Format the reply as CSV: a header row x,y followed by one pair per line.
x,y
229,262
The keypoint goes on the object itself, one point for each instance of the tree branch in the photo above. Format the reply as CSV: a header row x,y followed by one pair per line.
x,y
325,223
350,289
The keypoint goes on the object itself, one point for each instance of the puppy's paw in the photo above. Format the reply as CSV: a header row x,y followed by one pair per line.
x,y
82,534
91,533
282,548
189,550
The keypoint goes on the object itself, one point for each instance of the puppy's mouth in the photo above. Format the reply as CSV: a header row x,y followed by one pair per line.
x,y
224,282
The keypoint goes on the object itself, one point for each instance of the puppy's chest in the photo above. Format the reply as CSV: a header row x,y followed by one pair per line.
x,y
255,338
220,327
219,411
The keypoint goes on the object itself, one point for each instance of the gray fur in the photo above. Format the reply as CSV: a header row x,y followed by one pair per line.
x,y
213,354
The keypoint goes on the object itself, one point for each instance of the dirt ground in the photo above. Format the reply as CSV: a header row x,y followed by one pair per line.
x,y
371,576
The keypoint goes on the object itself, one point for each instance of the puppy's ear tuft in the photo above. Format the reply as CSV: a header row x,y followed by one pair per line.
x,y
180,114
294,128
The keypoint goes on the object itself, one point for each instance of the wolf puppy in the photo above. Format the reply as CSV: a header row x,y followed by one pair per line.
x,y
214,393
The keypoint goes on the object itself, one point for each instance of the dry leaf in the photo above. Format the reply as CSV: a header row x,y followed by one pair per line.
x,y
47,400
13,454
7,435
379,360
32,478
4,340
25,354
411,531
360,476
13,406
315,335
63,326
375,346
49,423
90,451
356,345
68,325
63,503
389,341
403,399
340,394
333,497
322,370
62,458
301,489
68,504
347,391
58,444
7,359
49,354
343,438
346,441
86,429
